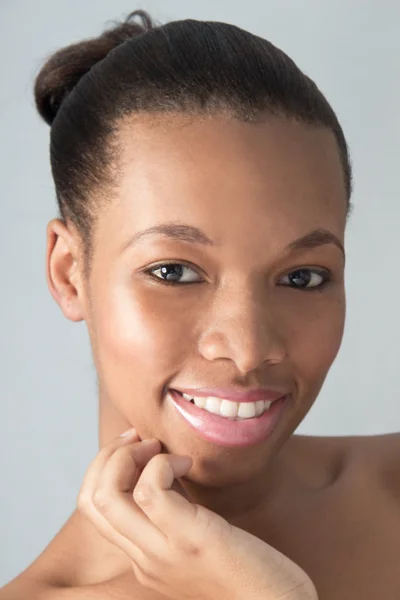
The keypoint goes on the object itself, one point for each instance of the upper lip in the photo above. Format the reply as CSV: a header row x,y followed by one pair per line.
x,y
234,394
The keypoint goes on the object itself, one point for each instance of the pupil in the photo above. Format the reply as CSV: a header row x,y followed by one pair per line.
x,y
166,270
304,275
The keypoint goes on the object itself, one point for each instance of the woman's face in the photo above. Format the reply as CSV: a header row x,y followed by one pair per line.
x,y
253,190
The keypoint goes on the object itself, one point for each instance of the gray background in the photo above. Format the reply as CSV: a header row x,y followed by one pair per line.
x,y
48,385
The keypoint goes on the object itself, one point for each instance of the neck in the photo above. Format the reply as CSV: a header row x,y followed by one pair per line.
x,y
240,502
250,506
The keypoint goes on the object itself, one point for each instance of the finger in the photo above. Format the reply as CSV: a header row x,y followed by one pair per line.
x,y
123,468
114,500
166,508
99,461
85,497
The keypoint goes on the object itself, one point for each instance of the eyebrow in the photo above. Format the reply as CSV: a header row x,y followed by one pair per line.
x,y
194,235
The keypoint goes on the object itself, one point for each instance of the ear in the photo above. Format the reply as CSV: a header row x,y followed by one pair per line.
x,y
64,269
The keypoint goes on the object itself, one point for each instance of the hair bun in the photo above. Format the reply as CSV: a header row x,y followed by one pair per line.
x,y
62,71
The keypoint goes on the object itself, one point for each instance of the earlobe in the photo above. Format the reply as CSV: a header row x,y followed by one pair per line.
x,y
62,270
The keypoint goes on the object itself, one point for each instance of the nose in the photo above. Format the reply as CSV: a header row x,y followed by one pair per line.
x,y
242,328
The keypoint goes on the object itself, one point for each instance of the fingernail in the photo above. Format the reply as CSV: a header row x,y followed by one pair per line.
x,y
129,433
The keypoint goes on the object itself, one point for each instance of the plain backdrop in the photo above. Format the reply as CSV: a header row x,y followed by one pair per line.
x,y
48,382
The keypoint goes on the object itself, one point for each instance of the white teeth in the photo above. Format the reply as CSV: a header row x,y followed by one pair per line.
x,y
247,410
200,402
229,409
213,405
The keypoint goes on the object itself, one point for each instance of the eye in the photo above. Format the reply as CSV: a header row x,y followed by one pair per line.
x,y
171,272
308,279
301,279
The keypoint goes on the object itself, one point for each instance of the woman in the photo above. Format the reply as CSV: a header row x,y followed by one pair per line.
x,y
204,186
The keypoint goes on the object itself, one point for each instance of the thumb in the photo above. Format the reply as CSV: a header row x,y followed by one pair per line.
x,y
180,465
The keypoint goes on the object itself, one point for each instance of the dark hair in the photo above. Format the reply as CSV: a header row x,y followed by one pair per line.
x,y
191,66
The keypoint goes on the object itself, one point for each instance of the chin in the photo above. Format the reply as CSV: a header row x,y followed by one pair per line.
x,y
223,467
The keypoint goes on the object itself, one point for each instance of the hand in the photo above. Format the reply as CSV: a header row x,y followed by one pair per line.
x,y
177,548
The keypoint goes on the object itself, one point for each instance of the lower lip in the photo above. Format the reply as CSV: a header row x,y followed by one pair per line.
x,y
224,432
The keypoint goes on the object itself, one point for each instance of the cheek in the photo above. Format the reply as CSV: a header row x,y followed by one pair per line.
x,y
137,340
141,340
315,340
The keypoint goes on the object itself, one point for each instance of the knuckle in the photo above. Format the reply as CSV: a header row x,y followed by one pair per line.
x,y
141,576
188,544
193,548
146,567
102,500
207,526
144,494
144,572
83,501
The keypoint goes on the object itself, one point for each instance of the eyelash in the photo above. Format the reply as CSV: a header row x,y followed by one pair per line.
x,y
327,278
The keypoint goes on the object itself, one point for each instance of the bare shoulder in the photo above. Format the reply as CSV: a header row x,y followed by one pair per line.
x,y
368,457
27,587
381,453
24,587
66,569
386,448
36,581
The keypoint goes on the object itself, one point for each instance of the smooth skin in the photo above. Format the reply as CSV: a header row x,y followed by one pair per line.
x,y
177,548
253,189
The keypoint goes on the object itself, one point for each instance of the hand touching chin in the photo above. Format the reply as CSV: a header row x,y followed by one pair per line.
x,y
179,549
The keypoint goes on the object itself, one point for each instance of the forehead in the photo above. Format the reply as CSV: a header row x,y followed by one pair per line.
x,y
186,167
